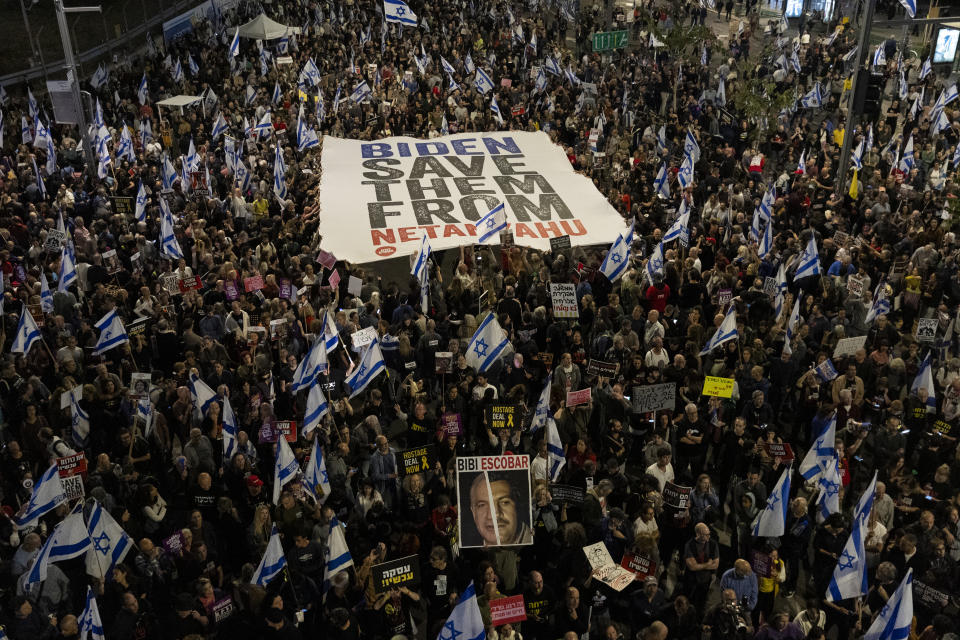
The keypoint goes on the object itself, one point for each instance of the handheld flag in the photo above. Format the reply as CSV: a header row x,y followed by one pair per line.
x,y
555,455
398,11
273,560
491,224
924,380
542,411
285,467
89,624
68,540
109,542
112,333
230,430
317,407
371,365
337,554
316,475
822,451
850,575
465,619
726,332
896,617
809,261
773,519
488,344
27,333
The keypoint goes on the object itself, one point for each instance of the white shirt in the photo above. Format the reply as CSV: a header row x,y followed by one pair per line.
x,y
639,526
664,476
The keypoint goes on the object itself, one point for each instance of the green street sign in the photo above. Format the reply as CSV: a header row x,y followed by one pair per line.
x,y
607,40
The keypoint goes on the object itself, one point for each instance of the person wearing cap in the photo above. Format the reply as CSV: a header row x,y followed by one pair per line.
x,y
647,604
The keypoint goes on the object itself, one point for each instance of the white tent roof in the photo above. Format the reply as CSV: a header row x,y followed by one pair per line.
x,y
263,28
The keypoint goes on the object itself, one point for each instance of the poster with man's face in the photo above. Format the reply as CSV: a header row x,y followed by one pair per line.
x,y
494,498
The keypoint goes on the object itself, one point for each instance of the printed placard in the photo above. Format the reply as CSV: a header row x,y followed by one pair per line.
x,y
605,570
941,427
724,296
171,283
76,392
223,609
567,494
443,362
575,398
717,387
396,573
122,204
191,283
564,296
600,368
55,240
559,243
416,460
927,329
770,287
73,487
504,416
36,310
72,465
640,564
452,424
483,481
140,384
507,610
654,397
760,563
848,346
676,495
326,259
288,428
230,291
138,326
781,450
286,288
334,279
173,544
253,283
929,597
111,262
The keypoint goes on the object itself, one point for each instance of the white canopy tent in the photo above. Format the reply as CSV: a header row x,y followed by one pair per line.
x,y
263,28
178,102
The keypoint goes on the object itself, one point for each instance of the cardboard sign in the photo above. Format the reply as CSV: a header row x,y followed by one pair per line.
x,y
443,362
605,570
452,424
140,384
564,296
781,450
504,610
575,398
926,329
654,397
122,204
416,460
223,608
76,392
855,286
640,564
230,291
54,241
354,286
848,346
111,262
504,416
189,284
363,337
601,368
334,279
253,283
567,494
326,259
396,573
559,243
717,387
676,495
841,238
288,428
929,597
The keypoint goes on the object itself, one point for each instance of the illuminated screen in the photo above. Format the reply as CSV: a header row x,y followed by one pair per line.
x,y
946,48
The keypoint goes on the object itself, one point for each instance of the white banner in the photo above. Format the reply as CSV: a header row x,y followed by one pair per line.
x,y
379,198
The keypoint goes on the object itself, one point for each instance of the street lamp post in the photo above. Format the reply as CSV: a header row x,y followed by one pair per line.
x,y
73,76
26,25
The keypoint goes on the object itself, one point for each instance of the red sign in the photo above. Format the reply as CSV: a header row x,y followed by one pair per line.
x,y
578,397
506,610
781,450
253,283
75,465
518,110
334,279
189,284
287,427
640,564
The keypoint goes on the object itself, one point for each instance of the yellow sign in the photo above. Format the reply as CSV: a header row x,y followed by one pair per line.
x,y
719,387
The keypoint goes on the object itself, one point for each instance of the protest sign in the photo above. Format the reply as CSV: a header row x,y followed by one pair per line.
x,y
253,283
334,279
848,346
230,290
564,296
717,387
122,205
416,460
575,398
641,564
111,262
55,240
559,243
676,495
354,286
781,450
504,416
452,424
223,609
443,362
567,494
654,397
363,337
71,470
483,481
605,570
601,368
396,573
326,259
507,610
855,286
191,283
543,196
927,329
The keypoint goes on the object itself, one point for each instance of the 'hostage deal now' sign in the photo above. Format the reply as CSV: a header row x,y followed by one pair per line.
x,y
397,190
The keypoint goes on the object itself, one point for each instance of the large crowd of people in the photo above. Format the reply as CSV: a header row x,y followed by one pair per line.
x,y
680,487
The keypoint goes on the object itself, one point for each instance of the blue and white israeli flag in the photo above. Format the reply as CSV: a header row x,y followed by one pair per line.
x,y
726,332
488,344
273,561
398,11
